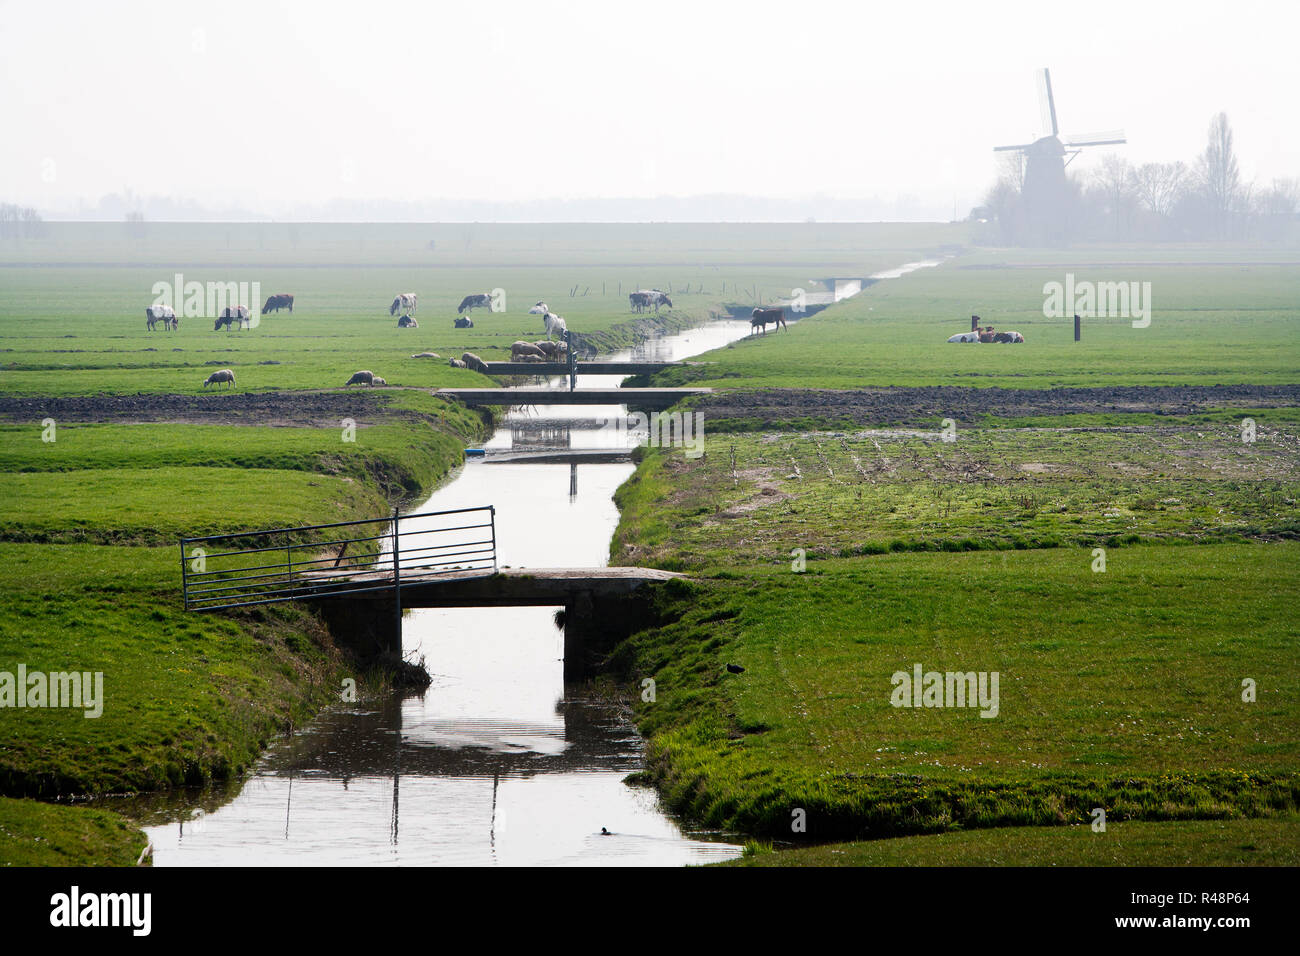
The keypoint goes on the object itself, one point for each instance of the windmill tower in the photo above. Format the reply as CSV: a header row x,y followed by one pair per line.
x,y
1045,193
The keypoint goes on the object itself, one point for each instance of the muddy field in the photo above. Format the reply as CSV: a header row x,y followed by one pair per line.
x,y
922,406
322,409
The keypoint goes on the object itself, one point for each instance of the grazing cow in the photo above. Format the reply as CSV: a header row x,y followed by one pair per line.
x,y
364,377
277,302
220,376
541,308
230,315
160,313
464,322
642,299
481,301
553,323
404,301
407,322
760,317
965,337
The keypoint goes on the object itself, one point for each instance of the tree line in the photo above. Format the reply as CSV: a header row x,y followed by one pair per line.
x,y
1171,201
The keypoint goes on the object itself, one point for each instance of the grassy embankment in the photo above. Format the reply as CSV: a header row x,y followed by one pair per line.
x,y
1120,689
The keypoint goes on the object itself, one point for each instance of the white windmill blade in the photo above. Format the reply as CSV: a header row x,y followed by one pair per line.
x,y
1109,138
1024,146
1046,104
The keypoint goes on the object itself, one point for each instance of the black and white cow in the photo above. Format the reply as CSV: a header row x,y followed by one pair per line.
x,y
404,301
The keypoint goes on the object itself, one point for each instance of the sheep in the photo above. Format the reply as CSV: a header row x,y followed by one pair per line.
x,y
473,361
364,377
426,355
219,376
456,363
377,381
525,348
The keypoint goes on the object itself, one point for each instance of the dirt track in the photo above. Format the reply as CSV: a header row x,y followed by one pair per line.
x,y
324,409
920,406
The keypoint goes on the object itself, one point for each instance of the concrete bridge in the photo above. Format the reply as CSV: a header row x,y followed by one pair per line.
x,y
599,604
654,398
362,575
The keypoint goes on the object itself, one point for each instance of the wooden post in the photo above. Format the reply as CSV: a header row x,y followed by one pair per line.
x,y
1076,327
397,585
571,359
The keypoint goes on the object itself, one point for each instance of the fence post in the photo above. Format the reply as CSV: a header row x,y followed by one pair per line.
x,y
185,580
1076,327
571,360
397,583
494,538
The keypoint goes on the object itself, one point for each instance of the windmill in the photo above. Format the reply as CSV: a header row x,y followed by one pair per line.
x,y
1044,190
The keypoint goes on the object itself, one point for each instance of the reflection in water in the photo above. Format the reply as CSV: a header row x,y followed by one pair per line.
x,y
494,763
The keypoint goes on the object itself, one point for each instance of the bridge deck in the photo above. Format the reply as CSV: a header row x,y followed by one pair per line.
x,y
583,368
509,587
641,397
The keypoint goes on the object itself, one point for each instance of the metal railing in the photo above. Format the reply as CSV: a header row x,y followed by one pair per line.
x,y
346,557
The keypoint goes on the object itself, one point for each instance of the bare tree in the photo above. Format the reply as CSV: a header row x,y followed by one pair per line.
x,y
1158,186
1219,177
1011,170
1114,180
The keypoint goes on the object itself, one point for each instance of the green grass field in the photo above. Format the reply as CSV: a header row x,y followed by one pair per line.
x,y
1210,324
1257,842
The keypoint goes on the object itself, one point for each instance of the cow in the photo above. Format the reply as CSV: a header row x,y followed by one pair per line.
x,y
1008,337
965,337
760,317
464,322
407,322
219,376
277,302
160,313
553,323
642,299
404,301
986,334
363,377
230,315
482,300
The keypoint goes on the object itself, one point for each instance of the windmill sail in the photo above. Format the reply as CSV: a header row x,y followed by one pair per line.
x,y
1046,104
1109,138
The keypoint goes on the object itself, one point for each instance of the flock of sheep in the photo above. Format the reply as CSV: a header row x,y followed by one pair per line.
x,y
405,302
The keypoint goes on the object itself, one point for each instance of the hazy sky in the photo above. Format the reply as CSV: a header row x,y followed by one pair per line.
x,y
264,103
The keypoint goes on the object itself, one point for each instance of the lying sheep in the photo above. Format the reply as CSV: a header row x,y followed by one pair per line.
x,y
426,355
377,381
456,363
364,377
473,361
219,376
